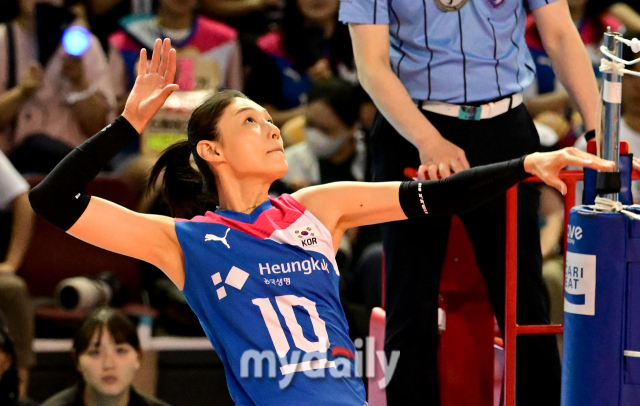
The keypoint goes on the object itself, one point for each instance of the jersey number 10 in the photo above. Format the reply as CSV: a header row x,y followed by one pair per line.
x,y
285,305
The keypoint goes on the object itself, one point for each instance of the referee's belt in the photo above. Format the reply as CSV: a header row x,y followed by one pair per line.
x,y
473,113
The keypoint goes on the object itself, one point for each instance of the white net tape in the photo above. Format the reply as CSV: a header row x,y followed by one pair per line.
x,y
610,206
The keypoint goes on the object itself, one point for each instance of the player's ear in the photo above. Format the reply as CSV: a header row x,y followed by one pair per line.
x,y
210,151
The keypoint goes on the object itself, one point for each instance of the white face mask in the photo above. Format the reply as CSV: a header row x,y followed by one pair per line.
x,y
322,145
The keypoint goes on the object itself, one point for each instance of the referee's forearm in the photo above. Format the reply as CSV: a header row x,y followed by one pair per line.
x,y
574,70
395,104
569,58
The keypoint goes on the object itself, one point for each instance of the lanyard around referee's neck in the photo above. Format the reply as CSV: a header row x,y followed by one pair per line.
x,y
451,5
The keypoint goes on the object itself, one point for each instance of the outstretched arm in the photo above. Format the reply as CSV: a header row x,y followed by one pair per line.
x,y
60,197
343,205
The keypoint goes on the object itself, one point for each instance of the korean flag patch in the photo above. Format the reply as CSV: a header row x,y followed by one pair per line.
x,y
305,232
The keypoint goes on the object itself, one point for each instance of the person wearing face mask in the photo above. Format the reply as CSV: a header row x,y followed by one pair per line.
x,y
333,149
106,351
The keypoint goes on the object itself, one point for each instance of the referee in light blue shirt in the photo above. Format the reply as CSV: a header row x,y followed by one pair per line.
x,y
447,77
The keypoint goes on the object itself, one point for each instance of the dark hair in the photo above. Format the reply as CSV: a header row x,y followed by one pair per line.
x,y
340,96
115,321
306,44
10,10
187,191
594,11
9,380
595,8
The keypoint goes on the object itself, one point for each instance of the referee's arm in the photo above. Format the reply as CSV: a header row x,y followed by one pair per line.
x,y
371,52
569,58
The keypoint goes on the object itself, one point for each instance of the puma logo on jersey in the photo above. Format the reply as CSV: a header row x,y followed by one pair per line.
x,y
212,237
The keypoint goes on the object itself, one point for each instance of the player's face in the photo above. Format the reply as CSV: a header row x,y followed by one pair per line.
x,y
318,10
249,141
107,367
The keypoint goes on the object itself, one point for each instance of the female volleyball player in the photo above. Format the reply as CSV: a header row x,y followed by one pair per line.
x,y
259,273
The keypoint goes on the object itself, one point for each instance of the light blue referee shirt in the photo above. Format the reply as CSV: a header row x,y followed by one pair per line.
x,y
473,54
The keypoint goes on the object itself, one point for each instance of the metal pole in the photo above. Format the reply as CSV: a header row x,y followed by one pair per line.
x,y
511,297
608,143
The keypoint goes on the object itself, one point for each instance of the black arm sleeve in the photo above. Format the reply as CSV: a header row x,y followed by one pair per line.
x,y
461,192
60,197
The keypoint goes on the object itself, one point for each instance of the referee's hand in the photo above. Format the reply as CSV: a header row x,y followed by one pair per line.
x,y
547,165
440,157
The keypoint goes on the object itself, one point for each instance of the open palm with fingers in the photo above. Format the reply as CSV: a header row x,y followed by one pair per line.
x,y
153,85
547,166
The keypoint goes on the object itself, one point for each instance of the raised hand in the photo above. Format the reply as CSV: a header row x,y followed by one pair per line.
x,y
153,85
547,166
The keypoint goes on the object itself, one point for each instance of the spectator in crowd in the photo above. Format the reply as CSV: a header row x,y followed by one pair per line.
x,y
15,235
45,111
251,18
310,45
103,15
333,149
9,376
106,351
208,51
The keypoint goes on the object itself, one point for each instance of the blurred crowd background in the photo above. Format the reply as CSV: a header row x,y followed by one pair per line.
x,y
291,56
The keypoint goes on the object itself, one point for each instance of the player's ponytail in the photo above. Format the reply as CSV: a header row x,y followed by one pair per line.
x,y
182,185
187,191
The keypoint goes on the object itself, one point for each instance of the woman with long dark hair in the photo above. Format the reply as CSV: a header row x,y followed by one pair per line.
x,y
106,351
258,272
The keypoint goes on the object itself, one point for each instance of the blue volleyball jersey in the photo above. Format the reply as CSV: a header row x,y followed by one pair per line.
x,y
265,289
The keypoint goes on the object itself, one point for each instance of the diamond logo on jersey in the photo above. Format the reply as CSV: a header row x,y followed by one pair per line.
x,y
236,278
305,232
496,3
452,5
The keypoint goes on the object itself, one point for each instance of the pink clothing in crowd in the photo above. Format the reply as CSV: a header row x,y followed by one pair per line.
x,y
47,111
